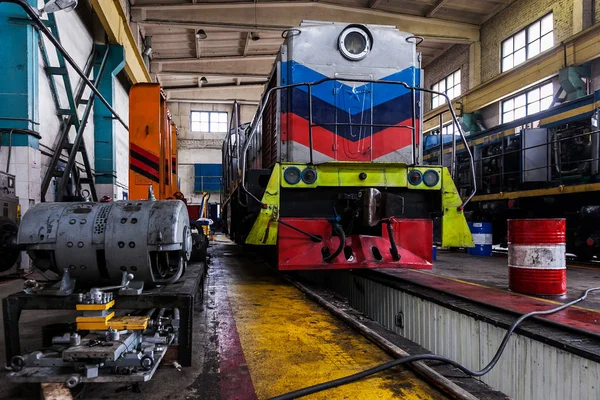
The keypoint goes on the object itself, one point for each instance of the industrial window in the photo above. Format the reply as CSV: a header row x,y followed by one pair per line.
x,y
207,177
449,85
528,42
530,102
209,121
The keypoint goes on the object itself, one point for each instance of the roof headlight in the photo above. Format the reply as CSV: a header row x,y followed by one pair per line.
x,y
355,42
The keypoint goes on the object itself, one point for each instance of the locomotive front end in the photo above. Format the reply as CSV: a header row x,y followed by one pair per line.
x,y
330,165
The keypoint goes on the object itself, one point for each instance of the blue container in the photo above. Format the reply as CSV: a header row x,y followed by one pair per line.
x,y
482,236
434,252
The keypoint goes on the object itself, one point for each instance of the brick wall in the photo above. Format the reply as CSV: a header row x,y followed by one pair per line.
x,y
457,57
597,11
515,17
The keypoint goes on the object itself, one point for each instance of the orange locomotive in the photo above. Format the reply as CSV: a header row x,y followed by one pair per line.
x,y
152,144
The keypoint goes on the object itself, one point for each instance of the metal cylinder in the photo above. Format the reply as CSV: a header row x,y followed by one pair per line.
x,y
97,242
537,256
482,237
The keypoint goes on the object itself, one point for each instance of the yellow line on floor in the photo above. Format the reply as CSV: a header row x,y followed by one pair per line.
x,y
290,342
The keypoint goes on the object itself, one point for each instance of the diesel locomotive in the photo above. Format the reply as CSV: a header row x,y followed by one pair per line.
x,y
543,165
329,172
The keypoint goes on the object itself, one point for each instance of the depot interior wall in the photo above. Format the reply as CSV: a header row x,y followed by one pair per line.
x,y
199,147
456,58
77,30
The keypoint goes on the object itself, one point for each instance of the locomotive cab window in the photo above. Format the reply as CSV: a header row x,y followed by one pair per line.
x,y
528,42
209,121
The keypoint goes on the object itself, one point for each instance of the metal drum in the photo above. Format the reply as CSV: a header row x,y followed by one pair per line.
x,y
482,237
536,256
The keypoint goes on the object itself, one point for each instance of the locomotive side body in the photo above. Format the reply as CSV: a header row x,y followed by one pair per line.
x,y
329,166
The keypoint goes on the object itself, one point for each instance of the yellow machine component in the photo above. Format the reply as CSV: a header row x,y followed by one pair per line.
x,y
455,231
360,175
89,320
95,307
264,230
125,322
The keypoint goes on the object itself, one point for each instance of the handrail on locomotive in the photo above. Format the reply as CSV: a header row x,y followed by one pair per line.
x,y
309,85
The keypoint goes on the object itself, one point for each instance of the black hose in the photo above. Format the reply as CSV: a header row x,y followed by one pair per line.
x,y
338,229
393,248
430,357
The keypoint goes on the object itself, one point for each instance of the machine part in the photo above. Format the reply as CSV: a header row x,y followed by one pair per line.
x,y
431,178
98,242
73,381
372,210
432,357
309,176
113,335
292,175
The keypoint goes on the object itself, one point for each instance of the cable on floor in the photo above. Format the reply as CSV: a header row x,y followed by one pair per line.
x,y
431,357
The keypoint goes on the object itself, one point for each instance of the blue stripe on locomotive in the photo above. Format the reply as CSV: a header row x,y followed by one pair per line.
x,y
377,104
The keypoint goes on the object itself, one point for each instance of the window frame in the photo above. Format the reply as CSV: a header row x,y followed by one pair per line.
x,y
527,103
527,42
211,115
444,80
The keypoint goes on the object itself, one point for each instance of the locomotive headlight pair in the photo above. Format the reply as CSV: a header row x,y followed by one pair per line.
x,y
355,42
430,178
292,175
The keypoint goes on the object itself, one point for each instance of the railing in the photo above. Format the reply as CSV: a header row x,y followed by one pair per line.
x,y
309,85
557,168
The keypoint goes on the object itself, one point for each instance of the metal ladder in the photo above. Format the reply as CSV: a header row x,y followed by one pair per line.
x,y
69,118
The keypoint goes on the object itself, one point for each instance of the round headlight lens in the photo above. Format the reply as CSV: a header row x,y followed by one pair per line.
x,y
309,176
291,175
355,43
415,177
431,178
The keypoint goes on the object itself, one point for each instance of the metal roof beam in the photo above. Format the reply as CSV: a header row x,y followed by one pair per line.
x,y
229,66
436,8
284,15
217,93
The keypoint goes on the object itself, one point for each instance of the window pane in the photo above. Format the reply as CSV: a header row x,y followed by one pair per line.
x,y
204,126
222,117
547,24
204,116
442,86
520,112
195,116
457,90
520,40
450,80
508,105
507,63
507,46
195,126
457,77
533,32
519,57
533,108
533,49
434,100
435,88
533,95
508,117
520,101
222,126
545,103
546,90
547,42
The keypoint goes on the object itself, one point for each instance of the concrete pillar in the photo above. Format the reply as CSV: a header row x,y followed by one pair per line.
x,y
582,15
474,64
104,122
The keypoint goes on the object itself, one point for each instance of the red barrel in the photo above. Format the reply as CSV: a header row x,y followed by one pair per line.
x,y
537,256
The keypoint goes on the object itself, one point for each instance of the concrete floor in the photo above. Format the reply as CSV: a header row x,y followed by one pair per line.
x,y
493,272
258,337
